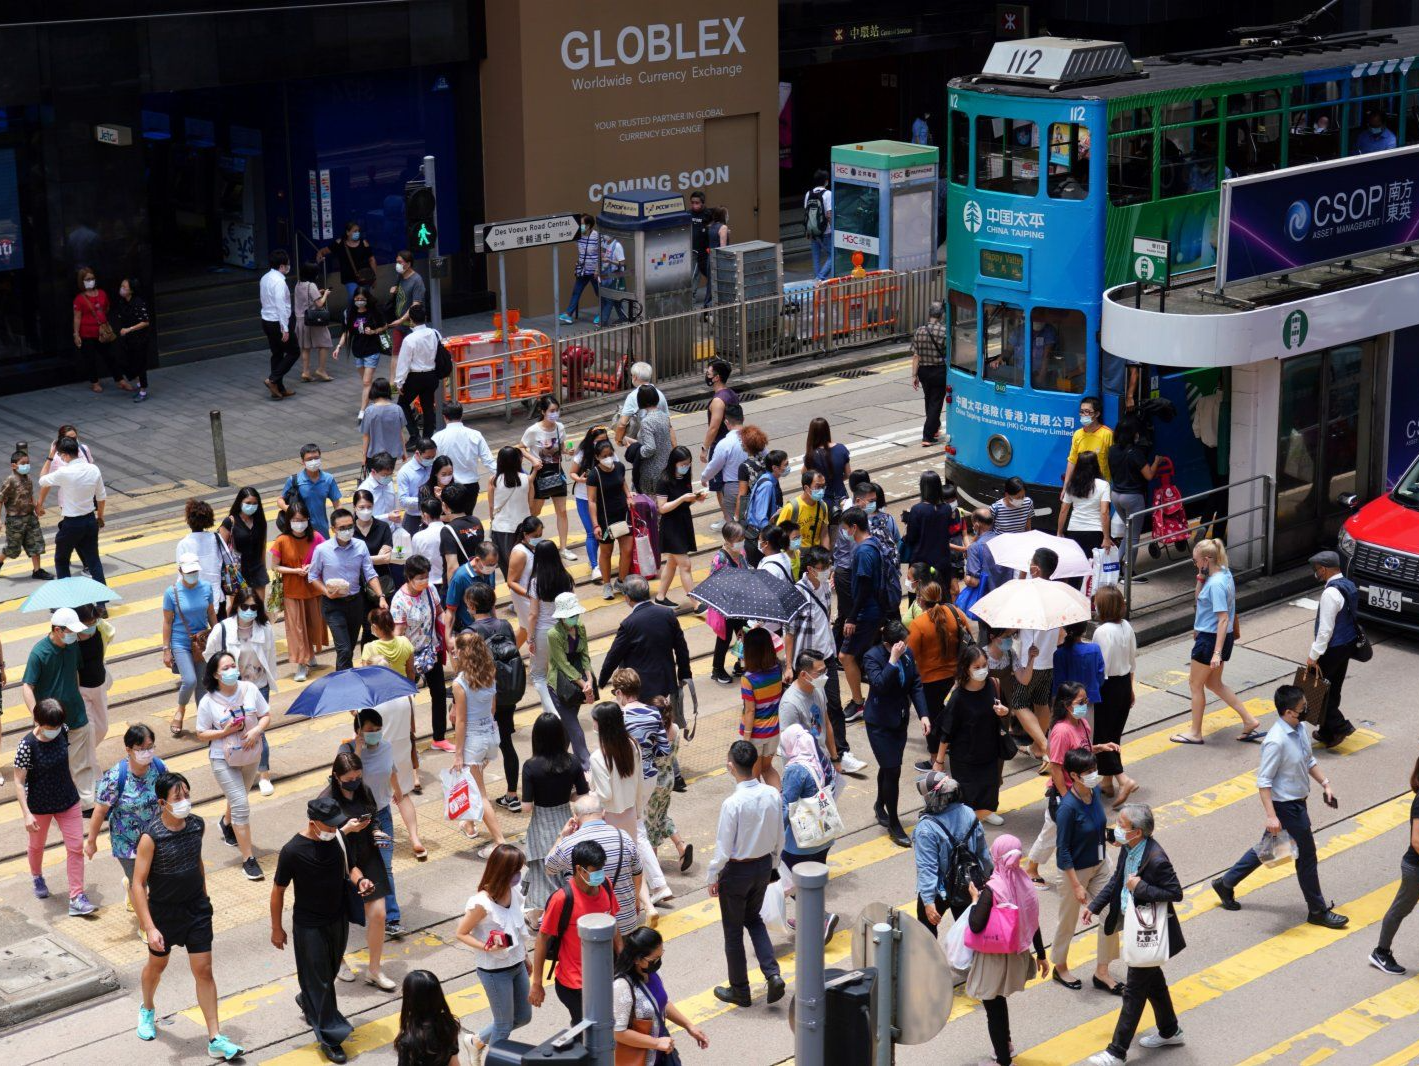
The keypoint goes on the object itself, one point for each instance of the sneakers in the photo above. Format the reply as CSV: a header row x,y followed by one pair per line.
x,y
252,869
41,890
851,764
140,395
41,575
721,677
442,745
1105,1058
993,819
569,555
473,1048
265,786
830,926
219,1047
228,833
147,1024
1382,959
565,320
510,803
607,592
852,712
595,574
665,601
302,672
1226,895
1152,1038
922,766
393,930
80,907
345,973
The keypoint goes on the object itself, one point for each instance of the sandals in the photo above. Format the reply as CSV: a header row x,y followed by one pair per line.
x,y
321,375
1183,738
421,854
307,377
175,726
1253,736
687,858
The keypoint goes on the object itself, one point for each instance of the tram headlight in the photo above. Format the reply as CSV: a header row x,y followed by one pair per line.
x,y
999,450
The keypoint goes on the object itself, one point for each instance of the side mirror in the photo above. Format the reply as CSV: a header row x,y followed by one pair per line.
x,y
1349,501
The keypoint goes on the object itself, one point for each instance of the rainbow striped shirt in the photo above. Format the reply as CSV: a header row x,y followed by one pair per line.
x,y
764,689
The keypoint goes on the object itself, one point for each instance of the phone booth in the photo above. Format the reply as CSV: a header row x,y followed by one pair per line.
x,y
654,231
884,205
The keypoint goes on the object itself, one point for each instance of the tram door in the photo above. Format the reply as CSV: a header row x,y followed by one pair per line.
x,y
1325,444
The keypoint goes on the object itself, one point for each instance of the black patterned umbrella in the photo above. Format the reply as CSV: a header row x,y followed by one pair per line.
x,y
739,593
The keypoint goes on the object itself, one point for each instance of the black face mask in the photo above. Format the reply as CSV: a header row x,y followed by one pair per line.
x,y
653,965
352,786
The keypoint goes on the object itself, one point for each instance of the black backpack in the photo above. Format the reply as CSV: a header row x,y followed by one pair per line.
x,y
554,942
965,871
443,361
815,214
509,669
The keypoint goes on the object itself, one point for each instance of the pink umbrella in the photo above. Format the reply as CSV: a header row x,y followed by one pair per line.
x,y
1013,550
1035,604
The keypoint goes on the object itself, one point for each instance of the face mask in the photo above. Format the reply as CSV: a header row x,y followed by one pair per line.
x,y
231,675
69,638
382,479
1085,418
596,878
585,228
327,837
682,469
820,684
787,469
709,381
795,543
312,465
125,293
980,674
1080,710
818,495
373,737
1006,643
22,468
399,267
607,464
353,785
1120,835
445,479
1090,780
354,235
653,966
143,757
249,509
90,630
89,283
191,579
180,808
360,305
364,514
871,507
532,542
49,734
299,527
344,535
554,416
246,614
424,463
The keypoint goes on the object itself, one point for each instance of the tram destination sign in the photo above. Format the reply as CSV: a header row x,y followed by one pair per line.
x,y
1288,220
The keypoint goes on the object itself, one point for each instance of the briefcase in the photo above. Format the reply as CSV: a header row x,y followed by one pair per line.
x,y
1317,689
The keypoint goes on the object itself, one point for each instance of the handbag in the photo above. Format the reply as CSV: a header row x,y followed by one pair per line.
x,y
106,333
1317,691
317,316
815,820
615,531
1001,935
233,580
1006,745
569,692
550,480
354,902
198,640
1144,941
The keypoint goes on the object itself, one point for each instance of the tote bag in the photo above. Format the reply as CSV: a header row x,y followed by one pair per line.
x,y
815,820
1145,935
1001,934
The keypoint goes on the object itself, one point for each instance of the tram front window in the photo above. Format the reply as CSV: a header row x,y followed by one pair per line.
x,y
1007,155
965,331
1004,343
1068,161
1058,350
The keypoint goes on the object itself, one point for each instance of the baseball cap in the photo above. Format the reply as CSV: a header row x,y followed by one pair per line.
x,y
67,618
188,563
324,810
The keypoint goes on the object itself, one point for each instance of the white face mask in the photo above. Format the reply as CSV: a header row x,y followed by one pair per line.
x,y
1090,780
820,684
89,283
299,527
191,579
344,535
980,674
1120,835
180,808
399,267
143,757
312,465
607,464
324,836
445,479
364,514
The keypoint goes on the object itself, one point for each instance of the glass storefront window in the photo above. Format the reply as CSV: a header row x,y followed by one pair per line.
x,y
1004,343
965,333
1058,349
1007,155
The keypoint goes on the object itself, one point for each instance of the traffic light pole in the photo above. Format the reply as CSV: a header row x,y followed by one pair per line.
x,y
597,932
435,283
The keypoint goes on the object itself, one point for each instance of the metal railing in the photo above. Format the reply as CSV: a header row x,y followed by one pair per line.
x,y
1250,553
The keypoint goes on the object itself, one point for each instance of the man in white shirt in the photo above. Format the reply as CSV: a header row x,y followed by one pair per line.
x,y
613,281
724,462
278,323
1336,631
746,851
426,541
812,630
466,448
82,498
1036,658
641,374
414,374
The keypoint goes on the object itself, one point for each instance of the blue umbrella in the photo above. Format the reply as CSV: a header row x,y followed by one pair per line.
x,y
349,690
70,592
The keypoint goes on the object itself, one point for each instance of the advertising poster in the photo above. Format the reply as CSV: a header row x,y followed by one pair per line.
x,y
314,207
1402,446
327,219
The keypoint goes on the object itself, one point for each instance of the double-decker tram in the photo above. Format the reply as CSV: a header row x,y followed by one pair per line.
x,y
1060,153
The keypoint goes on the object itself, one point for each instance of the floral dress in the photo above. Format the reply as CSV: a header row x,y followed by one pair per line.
x,y
658,823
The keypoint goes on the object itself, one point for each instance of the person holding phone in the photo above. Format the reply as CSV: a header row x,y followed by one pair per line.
x,y
349,789
492,926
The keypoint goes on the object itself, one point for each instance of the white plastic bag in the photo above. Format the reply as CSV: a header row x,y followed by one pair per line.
x,y
646,565
1106,568
954,943
774,911
461,799
1275,849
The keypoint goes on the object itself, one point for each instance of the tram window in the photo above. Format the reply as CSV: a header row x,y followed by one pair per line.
x,y
1130,169
1249,103
1189,162
1372,125
1190,111
1007,155
1068,161
1058,349
1135,118
1004,343
960,148
1254,144
1315,135
965,331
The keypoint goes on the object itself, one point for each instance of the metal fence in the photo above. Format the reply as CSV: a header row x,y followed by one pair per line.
x,y
806,320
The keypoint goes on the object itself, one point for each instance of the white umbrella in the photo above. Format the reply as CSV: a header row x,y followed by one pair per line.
x,y
1014,550
1036,604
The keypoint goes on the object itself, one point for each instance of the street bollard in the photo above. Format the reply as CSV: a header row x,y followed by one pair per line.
x,y
597,932
810,1015
884,941
219,449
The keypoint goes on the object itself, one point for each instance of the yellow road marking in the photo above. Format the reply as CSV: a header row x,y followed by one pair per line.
x,y
1404,1057
1348,1027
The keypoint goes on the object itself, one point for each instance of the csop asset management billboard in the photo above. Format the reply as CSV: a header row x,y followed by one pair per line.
x,y
1284,221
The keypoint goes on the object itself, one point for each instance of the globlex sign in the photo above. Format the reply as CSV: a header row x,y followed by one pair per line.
x,y
658,42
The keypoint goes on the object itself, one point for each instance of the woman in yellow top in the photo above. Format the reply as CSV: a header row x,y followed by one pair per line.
x,y
397,653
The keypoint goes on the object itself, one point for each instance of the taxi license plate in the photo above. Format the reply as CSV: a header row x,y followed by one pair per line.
x,y
1389,599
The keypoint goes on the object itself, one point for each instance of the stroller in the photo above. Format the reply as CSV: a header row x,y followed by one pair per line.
x,y
1170,520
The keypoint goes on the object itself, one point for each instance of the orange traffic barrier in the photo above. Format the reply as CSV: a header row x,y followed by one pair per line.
x,y
846,305
488,370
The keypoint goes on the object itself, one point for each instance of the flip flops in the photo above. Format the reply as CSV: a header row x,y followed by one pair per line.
x,y
1253,736
1183,738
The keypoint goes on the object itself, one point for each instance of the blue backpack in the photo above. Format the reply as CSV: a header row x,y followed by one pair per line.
x,y
158,765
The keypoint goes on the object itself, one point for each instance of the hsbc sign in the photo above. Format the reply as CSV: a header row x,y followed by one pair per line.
x,y
658,42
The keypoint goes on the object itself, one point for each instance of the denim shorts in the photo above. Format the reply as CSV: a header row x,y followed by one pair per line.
x,y
1203,645
367,362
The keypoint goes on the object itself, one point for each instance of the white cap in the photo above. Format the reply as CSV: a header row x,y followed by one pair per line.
x,y
67,618
188,563
568,606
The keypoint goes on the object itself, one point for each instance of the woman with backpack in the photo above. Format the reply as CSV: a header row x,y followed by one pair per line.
x,y
970,733
949,847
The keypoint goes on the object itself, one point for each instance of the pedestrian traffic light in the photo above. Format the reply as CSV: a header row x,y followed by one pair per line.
x,y
420,223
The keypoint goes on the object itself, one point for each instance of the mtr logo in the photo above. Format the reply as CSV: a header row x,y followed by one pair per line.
x,y
1337,212
656,43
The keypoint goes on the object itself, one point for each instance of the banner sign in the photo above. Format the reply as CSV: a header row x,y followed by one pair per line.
x,y
1287,220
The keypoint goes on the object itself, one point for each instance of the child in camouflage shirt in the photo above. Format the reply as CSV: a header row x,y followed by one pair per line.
x,y
22,531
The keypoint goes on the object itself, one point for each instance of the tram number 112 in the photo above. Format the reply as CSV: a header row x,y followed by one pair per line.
x,y
1024,61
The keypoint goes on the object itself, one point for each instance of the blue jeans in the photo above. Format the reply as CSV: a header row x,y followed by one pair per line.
x,y
186,669
507,992
350,287
822,255
1296,820
384,823
264,766
583,510
578,287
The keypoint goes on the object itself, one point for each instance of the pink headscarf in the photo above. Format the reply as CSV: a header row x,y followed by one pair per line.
x,y
1011,885
798,746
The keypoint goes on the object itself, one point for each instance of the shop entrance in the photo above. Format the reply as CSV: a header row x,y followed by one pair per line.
x,y
1325,444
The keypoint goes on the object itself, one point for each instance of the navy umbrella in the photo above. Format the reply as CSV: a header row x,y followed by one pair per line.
x,y
349,690
758,594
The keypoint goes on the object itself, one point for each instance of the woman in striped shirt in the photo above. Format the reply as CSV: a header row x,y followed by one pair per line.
x,y
1015,511
761,687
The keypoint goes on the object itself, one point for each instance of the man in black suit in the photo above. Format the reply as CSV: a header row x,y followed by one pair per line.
x,y
650,642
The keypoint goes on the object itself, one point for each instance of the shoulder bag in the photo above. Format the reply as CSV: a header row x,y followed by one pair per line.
x,y
106,333
316,314
1007,745
1144,941
354,902
815,820
198,640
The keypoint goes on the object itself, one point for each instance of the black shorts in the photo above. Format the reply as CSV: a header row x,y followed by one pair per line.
x,y
862,639
184,925
1203,645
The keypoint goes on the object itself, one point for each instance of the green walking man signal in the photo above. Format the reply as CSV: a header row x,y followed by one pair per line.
x,y
420,222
